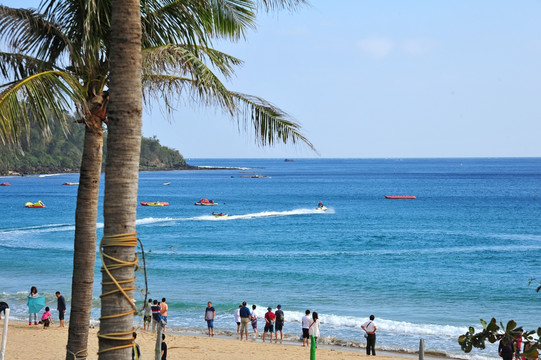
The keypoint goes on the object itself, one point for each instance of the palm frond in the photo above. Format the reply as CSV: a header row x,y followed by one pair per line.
x,y
269,5
88,26
29,32
171,90
181,59
39,97
270,123
194,22
19,66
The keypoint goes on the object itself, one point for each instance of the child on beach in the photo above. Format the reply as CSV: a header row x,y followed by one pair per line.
x,y
46,318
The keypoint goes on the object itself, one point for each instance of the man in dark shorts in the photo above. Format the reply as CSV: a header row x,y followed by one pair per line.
x,y
279,325
61,307
305,321
269,323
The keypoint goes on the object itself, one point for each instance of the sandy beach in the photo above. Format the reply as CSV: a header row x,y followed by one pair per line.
x,y
34,342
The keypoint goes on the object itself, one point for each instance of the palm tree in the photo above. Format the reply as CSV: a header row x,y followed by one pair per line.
x,y
117,248
59,57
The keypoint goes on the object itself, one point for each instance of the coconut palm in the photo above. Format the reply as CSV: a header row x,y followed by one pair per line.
x,y
58,62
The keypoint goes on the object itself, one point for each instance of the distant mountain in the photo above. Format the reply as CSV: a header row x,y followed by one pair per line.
x,y
61,152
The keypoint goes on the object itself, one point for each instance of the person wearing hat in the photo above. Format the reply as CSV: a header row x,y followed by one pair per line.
x,y
279,323
269,323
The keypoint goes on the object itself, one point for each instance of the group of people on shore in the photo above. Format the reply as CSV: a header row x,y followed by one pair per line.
x,y
513,350
274,321
36,302
156,313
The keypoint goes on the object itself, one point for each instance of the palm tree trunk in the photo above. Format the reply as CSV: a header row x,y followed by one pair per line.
x,y
84,254
121,174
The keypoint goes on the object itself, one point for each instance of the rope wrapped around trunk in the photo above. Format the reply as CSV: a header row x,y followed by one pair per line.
x,y
130,240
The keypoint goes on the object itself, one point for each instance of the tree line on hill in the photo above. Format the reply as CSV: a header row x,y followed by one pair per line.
x,y
60,151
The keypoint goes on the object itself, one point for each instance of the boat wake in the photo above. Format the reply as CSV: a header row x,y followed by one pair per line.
x,y
258,215
11,233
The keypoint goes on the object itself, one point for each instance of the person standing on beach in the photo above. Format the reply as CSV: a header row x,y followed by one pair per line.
x,y
245,317
253,319
35,304
147,315
210,313
155,315
163,312
164,348
506,351
370,328
314,326
270,317
280,320
306,329
61,307
236,316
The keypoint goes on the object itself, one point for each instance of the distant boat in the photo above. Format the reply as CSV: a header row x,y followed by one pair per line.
x,y
219,214
38,204
400,197
206,202
256,176
167,183
322,208
288,160
5,184
70,183
156,203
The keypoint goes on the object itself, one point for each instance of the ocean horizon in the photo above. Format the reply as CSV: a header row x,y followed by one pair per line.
x,y
428,268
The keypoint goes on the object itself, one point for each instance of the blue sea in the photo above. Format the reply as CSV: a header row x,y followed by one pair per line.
x,y
428,268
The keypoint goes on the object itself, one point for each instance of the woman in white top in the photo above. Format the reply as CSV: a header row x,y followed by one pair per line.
x,y
314,326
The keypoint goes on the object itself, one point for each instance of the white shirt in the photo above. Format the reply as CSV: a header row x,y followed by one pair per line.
x,y
369,326
254,314
314,328
305,322
237,315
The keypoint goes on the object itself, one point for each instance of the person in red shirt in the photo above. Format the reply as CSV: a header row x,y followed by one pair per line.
x,y
270,318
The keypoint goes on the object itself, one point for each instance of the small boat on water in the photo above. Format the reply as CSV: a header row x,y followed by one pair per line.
x,y
321,208
156,203
167,183
206,202
219,214
400,197
5,184
38,204
70,183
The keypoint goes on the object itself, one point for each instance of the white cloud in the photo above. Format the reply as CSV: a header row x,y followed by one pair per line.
x,y
416,46
379,47
376,47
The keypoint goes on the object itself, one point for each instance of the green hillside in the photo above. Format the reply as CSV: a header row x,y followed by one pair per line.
x,y
61,152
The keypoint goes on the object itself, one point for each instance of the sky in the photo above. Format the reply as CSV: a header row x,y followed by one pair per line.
x,y
379,79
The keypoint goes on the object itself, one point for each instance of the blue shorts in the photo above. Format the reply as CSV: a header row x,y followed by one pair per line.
x,y
164,318
210,324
